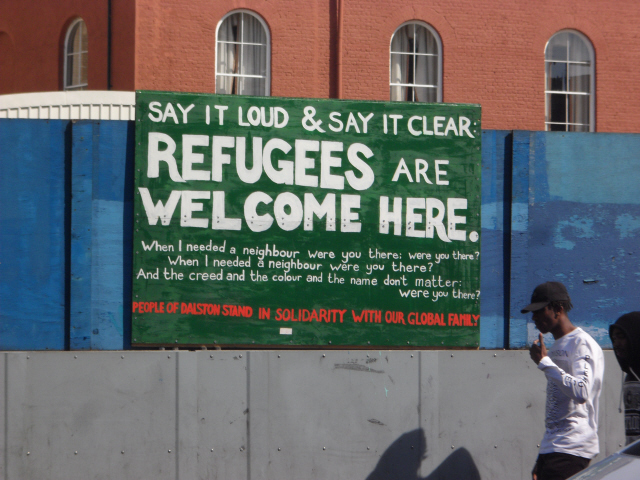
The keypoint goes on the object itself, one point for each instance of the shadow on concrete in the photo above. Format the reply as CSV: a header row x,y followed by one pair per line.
x,y
402,460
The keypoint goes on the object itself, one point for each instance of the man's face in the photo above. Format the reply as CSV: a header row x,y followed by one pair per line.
x,y
545,319
620,343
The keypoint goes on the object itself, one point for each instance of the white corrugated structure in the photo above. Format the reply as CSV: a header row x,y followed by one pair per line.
x,y
76,105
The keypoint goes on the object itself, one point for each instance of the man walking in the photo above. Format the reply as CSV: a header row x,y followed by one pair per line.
x,y
574,368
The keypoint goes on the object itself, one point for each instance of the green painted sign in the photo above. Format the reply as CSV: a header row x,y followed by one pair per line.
x,y
277,221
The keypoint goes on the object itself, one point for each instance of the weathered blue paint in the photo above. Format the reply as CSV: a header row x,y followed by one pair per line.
x,y
627,225
101,235
32,237
555,206
576,232
601,269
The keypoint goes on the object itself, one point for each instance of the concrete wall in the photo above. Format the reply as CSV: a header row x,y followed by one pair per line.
x,y
278,415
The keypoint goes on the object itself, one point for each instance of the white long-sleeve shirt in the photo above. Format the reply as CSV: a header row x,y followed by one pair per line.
x,y
574,367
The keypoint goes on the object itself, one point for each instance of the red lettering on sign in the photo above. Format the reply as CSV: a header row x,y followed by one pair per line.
x,y
148,307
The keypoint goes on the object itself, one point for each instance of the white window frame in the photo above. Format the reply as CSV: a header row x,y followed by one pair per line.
x,y
84,49
267,76
592,82
438,42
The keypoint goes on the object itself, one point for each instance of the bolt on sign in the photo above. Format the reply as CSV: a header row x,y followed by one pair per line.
x,y
277,221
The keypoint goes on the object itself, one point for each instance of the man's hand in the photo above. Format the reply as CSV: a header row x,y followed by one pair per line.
x,y
538,350
534,472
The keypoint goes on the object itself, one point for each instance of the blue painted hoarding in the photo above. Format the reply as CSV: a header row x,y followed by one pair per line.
x,y
555,206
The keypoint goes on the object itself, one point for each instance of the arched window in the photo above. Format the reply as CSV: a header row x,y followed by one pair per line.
x,y
76,55
416,64
569,90
243,55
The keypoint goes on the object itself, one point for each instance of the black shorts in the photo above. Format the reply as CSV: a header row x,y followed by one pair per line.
x,y
559,466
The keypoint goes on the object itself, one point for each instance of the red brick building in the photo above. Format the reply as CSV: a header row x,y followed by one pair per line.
x,y
522,61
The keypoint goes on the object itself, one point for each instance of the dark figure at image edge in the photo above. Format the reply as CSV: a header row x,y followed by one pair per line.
x,y
574,367
625,337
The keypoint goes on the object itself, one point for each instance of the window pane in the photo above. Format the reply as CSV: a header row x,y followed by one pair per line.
x,y
557,47
403,40
426,70
396,68
579,109
578,50
400,66
69,73
83,69
76,70
254,60
253,31
578,128
397,94
557,76
425,42
409,94
252,86
225,84
228,57
77,39
84,42
428,95
421,70
557,128
579,78
230,29
402,94
557,107
73,37
432,70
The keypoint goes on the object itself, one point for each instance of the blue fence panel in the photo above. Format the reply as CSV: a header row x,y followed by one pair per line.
x,y
33,159
555,206
523,149
101,232
496,166
583,220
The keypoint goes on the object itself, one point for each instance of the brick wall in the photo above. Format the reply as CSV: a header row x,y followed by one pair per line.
x,y
32,36
494,54
493,50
